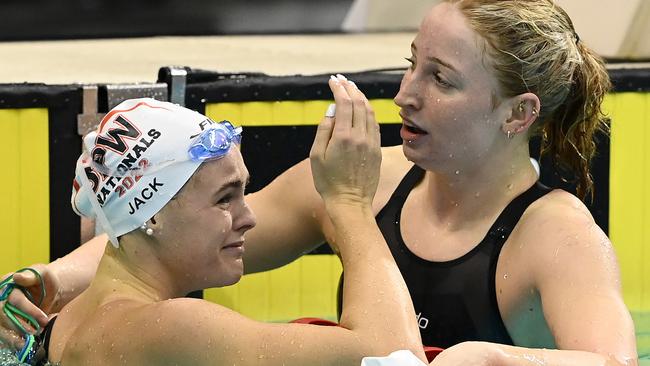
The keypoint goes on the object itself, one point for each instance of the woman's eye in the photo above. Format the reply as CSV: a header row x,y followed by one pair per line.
x,y
225,200
441,81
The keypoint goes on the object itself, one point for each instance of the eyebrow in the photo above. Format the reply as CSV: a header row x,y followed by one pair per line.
x,y
235,183
436,60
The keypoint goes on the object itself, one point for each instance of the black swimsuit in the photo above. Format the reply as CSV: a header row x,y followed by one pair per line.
x,y
454,301
45,344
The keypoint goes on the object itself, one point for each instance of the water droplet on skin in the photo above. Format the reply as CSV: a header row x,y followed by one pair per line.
x,y
510,186
477,195
457,172
505,276
438,100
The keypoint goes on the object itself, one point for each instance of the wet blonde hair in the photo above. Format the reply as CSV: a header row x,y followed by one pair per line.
x,y
533,47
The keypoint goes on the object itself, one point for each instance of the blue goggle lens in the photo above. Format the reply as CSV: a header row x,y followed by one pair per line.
x,y
215,141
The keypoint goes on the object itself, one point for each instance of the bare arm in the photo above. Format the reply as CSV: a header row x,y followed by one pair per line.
x,y
492,354
579,283
291,215
377,310
77,269
289,212
571,263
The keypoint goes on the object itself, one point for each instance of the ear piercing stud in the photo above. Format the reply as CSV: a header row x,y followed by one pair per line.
x,y
147,230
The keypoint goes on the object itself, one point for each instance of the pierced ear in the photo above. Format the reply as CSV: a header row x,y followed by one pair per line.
x,y
152,223
525,110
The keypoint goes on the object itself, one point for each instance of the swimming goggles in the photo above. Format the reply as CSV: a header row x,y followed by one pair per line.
x,y
215,141
27,353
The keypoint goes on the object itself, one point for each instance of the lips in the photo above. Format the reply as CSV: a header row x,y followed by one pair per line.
x,y
410,132
412,127
239,244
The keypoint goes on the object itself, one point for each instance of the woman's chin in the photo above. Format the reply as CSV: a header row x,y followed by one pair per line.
x,y
411,153
233,274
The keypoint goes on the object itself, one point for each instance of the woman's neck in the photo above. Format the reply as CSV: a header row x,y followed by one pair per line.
x,y
465,196
120,275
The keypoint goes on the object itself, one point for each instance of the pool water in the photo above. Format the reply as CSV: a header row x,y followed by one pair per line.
x,y
642,325
7,358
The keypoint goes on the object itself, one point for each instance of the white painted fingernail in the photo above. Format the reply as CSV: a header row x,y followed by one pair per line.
x,y
353,84
341,77
331,110
334,79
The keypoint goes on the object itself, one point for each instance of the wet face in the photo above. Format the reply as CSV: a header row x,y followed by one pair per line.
x,y
203,228
447,96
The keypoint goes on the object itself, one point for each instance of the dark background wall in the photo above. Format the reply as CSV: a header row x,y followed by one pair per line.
x,y
66,19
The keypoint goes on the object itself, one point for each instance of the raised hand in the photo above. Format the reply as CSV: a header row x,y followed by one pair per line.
x,y
346,155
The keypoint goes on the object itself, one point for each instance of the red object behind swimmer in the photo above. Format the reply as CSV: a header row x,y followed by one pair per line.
x,y
430,352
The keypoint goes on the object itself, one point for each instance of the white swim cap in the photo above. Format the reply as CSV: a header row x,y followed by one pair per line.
x,y
140,156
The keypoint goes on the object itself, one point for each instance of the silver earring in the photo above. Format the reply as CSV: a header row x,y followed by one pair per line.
x,y
534,111
510,134
521,106
147,230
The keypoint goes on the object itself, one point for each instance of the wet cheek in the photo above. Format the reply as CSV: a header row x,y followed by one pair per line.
x,y
225,222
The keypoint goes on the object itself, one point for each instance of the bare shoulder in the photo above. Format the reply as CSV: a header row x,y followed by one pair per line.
x,y
553,208
187,315
565,264
557,213
128,332
557,234
183,331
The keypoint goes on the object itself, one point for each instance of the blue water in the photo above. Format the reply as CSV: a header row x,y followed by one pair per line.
x,y
642,325
7,358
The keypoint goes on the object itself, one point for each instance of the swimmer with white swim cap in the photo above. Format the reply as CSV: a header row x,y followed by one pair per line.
x,y
167,185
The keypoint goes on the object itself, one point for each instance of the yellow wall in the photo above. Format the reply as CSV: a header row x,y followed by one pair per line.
x,y
629,176
24,188
289,113
307,287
